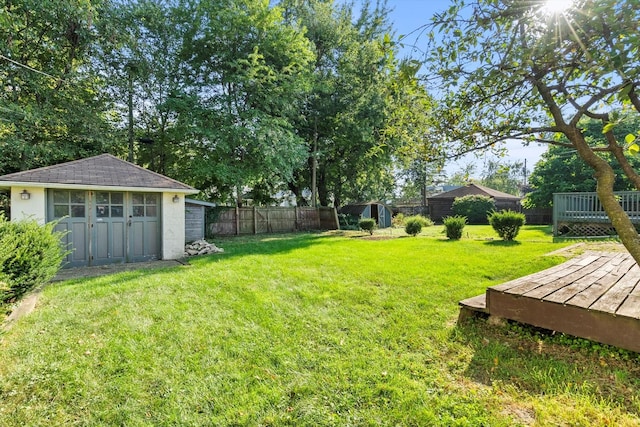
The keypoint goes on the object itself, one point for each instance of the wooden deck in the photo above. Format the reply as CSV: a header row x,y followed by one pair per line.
x,y
594,296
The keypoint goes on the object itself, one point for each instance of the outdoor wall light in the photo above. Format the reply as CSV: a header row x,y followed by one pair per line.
x,y
25,195
176,198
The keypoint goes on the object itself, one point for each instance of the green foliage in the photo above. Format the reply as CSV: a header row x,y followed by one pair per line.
x,y
367,224
507,223
413,225
30,255
503,176
352,102
561,170
474,207
52,108
453,226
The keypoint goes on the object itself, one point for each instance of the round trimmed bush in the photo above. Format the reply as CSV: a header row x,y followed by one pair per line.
x,y
367,224
453,226
506,223
413,224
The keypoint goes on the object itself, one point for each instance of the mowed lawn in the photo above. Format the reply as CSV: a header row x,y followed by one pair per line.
x,y
309,330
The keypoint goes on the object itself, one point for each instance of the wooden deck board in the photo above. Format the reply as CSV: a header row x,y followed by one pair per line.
x,y
588,296
541,277
611,300
530,283
478,303
594,296
566,293
561,282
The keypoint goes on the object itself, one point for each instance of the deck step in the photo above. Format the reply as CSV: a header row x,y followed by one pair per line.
x,y
477,303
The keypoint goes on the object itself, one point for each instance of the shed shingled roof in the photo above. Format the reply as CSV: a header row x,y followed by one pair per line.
x,y
104,170
475,189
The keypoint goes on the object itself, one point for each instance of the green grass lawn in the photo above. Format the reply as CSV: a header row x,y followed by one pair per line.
x,y
305,330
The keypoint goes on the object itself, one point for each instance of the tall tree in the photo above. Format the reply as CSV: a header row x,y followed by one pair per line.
x,y
213,84
344,113
251,72
519,69
51,108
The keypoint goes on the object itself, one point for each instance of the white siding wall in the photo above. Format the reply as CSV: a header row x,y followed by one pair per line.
x,y
34,208
172,226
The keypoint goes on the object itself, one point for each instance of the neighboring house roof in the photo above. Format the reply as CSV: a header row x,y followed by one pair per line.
x,y
475,189
100,171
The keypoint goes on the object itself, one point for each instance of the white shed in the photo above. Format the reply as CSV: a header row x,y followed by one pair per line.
x,y
113,211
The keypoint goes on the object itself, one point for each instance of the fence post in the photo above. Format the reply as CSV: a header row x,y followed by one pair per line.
x,y
255,220
237,221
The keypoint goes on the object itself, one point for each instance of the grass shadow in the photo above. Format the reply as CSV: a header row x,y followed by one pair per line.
x,y
541,362
503,243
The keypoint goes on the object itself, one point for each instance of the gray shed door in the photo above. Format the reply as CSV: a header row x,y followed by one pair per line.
x,y
106,227
382,218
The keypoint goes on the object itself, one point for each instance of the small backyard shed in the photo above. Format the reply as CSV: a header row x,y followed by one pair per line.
x,y
440,205
194,219
378,211
113,211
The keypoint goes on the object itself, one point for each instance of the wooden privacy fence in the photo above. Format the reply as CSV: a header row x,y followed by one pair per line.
x,y
230,221
582,214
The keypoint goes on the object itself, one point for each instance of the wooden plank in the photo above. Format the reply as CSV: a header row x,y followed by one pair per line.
x,y
542,291
588,296
631,305
544,278
615,296
620,331
477,303
564,294
540,277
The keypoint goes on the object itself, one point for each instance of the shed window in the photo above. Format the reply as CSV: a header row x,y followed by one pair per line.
x,y
109,205
145,205
68,203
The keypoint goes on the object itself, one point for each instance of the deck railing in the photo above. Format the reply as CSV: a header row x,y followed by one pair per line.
x,y
586,208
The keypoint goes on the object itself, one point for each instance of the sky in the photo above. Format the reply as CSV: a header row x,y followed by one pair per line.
x,y
407,17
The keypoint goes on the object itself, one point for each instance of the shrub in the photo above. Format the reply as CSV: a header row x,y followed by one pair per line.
x,y
454,226
30,256
413,224
398,220
367,224
474,207
506,223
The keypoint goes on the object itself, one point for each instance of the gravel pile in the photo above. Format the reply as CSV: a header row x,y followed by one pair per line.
x,y
201,247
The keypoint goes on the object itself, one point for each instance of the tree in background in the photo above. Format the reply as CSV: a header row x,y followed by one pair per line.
x,y
561,170
51,109
507,177
213,86
346,113
235,97
520,70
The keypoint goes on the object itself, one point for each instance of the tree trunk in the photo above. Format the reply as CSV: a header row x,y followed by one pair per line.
x,y
297,192
314,171
323,192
